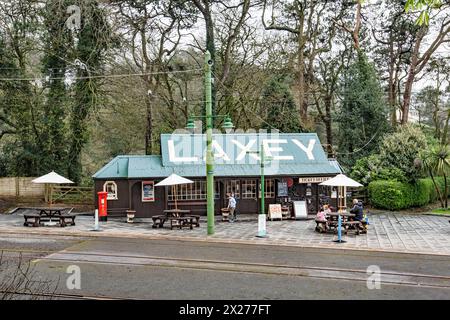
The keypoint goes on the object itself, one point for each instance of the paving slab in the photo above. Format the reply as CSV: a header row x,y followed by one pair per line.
x,y
394,232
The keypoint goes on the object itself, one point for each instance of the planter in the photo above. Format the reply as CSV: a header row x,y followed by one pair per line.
x,y
130,216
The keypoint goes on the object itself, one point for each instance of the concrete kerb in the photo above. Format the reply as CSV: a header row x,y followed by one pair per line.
x,y
435,214
106,234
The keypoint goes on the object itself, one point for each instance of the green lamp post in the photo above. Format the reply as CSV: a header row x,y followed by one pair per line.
x,y
227,125
262,211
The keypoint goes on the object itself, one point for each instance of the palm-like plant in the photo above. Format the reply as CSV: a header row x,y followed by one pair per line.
x,y
441,159
427,162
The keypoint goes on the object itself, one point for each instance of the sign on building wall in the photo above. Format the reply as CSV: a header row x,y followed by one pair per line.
x,y
148,191
299,148
313,179
282,189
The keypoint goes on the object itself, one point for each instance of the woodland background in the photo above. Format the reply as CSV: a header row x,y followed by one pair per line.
x,y
370,77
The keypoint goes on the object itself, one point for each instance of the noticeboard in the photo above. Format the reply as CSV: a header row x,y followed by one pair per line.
x,y
300,210
282,189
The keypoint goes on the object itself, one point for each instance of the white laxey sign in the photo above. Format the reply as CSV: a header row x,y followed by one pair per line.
x,y
181,149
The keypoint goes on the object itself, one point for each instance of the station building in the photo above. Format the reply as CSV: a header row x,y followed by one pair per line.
x,y
295,163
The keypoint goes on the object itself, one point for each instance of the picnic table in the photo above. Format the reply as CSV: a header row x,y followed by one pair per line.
x,y
332,222
177,217
46,215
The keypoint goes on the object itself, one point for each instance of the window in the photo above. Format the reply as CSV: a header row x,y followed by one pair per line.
x,y
192,191
269,186
111,188
148,191
248,189
232,186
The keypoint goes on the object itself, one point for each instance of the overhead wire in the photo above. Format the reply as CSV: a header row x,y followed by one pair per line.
x,y
101,76
272,127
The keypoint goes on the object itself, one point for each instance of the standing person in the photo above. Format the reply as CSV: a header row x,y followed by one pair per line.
x,y
236,211
231,206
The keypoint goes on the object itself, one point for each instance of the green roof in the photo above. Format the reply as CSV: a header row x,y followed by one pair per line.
x,y
151,167
295,154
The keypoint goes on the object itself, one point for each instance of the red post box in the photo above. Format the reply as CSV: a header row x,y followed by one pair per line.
x,y
102,205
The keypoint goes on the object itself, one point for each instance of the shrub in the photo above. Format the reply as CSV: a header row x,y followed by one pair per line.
x,y
396,195
390,194
401,149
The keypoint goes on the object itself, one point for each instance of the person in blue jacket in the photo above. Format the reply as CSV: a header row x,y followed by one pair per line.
x,y
357,209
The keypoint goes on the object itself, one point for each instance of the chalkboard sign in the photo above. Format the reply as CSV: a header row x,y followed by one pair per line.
x,y
282,189
300,210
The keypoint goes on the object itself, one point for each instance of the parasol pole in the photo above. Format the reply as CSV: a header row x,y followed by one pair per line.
x,y
51,195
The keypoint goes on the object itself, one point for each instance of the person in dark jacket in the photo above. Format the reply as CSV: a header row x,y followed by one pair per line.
x,y
357,210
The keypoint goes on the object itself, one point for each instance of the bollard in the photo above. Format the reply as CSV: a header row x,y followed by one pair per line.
x,y
96,226
339,228
261,226
96,220
339,240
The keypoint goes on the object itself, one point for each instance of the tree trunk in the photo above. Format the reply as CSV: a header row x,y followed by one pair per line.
x,y
410,79
355,34
301,76
445,192
149,126
328,129
438,191
391,85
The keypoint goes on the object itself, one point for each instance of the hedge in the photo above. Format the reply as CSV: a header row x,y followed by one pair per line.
x,y
394,195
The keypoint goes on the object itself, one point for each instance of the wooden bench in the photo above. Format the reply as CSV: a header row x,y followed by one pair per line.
x,y
322,226
181,222
35,223
62,219
196,219
352,225
158,221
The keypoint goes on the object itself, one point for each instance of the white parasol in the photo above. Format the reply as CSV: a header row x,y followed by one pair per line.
x,y
173,180
341,181
50,179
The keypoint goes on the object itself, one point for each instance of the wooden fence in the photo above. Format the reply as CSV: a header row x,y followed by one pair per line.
x,y
75,195
20,187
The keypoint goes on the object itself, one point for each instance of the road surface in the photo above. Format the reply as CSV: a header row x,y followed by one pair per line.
x,y
164,269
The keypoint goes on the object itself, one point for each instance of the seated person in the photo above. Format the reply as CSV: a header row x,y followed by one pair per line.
x,y
321,215
357,210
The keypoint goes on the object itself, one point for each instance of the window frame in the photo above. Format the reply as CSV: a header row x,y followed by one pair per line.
x,y
193,191
252,183
268,194
116,195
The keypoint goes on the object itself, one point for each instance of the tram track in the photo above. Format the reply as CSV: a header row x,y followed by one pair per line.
x,y
331,273
57,260
66,296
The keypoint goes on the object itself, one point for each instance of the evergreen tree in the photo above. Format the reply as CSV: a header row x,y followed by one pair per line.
x,y
362,119
279,105
57,42
17,102
93,40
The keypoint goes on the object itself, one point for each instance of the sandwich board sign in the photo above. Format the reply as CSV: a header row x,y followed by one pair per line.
x,y
275,211
300,210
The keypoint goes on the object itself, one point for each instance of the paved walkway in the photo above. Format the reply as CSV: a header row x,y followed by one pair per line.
x,y
387,232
